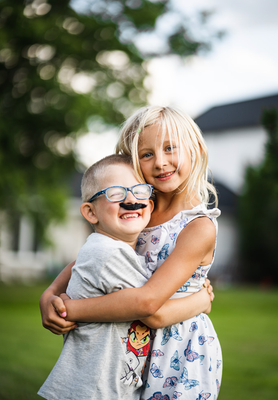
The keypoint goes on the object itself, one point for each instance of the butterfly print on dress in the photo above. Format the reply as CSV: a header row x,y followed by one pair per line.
x,y
163,254
171,381
175,361
188,383
157,353
156,371
190,355
170,332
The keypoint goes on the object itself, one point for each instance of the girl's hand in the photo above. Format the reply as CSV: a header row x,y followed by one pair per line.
x,y
53,312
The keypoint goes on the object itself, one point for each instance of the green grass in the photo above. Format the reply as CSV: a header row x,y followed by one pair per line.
x,y
246,321
27,351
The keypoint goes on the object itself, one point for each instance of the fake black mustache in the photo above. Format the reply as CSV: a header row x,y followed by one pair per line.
x,y
133,207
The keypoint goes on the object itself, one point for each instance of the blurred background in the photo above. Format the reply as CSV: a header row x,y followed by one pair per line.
x,y
71,72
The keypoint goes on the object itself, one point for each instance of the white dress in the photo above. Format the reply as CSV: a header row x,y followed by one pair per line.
x,y
186,360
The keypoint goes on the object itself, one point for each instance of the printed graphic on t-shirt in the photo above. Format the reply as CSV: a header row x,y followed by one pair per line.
x,y
137,344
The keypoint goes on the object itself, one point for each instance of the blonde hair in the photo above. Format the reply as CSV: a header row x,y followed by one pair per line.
x,y
183,130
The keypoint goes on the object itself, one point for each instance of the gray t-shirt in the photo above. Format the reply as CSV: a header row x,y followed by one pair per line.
x,y
98,360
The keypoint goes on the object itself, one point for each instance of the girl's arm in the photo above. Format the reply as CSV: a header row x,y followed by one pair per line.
x,y
194,247
53,309
174,310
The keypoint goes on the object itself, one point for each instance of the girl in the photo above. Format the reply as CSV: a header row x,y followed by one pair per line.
x,y
169,153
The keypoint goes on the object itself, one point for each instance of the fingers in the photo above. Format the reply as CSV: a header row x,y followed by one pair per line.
x,y
210,289
208,286
59,331
64,296
58,325
59,306
51,307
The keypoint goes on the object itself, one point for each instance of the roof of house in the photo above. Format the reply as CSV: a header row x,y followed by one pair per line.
x,y
241,114
227,199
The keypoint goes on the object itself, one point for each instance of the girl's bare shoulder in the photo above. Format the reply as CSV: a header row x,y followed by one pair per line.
x,y
201,232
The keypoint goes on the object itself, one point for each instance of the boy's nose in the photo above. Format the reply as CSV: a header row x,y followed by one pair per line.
x,y
130,198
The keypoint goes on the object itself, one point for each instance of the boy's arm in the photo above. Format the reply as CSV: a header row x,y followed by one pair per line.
x,y
50,301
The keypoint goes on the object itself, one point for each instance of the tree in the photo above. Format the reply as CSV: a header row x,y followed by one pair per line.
x,y
258,211
60,71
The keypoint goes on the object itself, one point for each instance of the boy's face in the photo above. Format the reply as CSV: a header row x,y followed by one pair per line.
x,y
111,219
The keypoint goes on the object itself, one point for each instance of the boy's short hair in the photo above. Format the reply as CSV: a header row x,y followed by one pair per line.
x,y
90,180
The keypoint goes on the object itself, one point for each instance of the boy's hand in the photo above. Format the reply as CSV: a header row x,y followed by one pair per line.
x,y
207,286
53,312
64,297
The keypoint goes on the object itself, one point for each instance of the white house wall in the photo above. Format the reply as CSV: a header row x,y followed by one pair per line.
x,y
26,234
226,256
27,265
231,151
69,237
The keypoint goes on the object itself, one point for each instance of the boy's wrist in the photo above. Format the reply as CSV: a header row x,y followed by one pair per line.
x,y
204,299
207,301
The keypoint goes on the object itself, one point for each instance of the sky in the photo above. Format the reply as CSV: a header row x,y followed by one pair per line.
x,y
241,66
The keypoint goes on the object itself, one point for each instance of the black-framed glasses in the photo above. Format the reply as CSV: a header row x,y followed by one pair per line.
x,y
115,194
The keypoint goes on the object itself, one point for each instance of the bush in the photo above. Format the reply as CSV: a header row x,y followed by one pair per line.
x,y
258,211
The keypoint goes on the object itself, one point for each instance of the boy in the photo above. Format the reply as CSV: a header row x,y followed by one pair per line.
x,y
105,360
95,362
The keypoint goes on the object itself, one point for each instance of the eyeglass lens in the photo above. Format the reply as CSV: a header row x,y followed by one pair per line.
x,y
118,193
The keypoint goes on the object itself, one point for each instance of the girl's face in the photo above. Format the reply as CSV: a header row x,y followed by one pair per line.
x,y
159,160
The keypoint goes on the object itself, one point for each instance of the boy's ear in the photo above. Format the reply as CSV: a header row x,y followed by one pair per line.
x,y
89,213
151,205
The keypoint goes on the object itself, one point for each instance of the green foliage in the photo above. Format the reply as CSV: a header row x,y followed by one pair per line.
x,y
58,70
258,211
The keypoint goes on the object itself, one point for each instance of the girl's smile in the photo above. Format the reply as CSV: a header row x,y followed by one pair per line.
x,y
164,164
165,176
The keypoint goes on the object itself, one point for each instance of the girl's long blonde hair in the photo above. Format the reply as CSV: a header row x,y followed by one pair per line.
x,y
183,130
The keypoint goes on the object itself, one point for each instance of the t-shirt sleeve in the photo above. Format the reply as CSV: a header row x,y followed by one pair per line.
x,y
121,270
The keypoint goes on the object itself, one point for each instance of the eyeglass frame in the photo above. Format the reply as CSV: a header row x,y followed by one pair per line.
x,y
127,189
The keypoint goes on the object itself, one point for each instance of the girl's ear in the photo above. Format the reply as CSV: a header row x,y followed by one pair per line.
x,y
89,213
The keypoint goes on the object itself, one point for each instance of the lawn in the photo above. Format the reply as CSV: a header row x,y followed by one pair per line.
x,y
246,321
